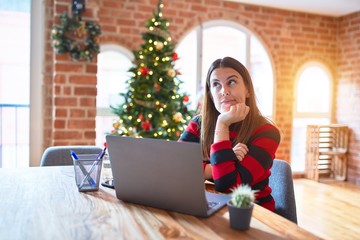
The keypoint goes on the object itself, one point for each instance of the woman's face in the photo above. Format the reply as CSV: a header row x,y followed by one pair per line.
x,y
227,88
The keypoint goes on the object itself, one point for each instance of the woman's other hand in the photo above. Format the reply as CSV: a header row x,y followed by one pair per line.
x,y
240,151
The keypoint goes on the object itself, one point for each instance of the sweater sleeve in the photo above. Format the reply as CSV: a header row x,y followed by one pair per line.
x,y
192,131
228,172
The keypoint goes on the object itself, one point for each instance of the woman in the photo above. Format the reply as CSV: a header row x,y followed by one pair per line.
x,y
238,143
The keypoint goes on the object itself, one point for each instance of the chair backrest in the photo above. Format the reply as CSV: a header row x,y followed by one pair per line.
x,y
60,155
281,183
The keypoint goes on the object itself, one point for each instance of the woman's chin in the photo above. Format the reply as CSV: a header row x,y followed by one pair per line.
x,y
225,108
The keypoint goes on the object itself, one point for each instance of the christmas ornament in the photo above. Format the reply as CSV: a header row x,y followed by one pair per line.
x,y
178,117
68,37
186,99
159,46
144,71
175,56
171,72
157,87
116,125
146,125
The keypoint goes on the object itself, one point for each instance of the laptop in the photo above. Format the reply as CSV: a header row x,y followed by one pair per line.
x,y
161,174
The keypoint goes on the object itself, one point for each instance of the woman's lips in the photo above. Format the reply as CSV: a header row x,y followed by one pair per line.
x,y
227,102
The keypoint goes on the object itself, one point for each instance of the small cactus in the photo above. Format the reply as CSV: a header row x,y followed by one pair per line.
x,y
242,196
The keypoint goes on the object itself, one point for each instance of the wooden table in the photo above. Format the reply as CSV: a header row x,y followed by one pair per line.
x,y
44,203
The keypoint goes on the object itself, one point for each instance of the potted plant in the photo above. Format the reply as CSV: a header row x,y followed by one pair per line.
x,y
240,207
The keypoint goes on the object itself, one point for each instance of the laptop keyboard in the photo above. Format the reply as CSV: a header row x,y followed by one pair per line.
x,y
212,204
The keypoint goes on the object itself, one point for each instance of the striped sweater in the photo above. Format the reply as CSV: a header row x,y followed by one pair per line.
x,y
253,170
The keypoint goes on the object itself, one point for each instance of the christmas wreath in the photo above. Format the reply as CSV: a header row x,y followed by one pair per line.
x,y
79,38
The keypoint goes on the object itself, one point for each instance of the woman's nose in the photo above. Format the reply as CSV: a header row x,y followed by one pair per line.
x,y
225,91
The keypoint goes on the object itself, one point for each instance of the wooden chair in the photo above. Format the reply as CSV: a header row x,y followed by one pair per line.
x,y
60,155
326,151
281,183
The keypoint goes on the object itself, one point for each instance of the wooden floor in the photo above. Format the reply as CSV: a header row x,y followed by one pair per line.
x,y
329,209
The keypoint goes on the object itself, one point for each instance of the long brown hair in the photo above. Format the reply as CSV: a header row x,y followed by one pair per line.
x,y
209,114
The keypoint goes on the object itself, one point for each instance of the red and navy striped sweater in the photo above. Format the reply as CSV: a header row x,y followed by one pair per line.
x,y
253,170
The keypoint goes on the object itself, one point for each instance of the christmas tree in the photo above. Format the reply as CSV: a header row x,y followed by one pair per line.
x,y
153,105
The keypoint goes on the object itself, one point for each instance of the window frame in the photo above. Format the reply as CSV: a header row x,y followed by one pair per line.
x,y
248,33
326,70
306,116
103,111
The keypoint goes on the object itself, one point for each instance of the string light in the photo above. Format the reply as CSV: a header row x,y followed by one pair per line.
x,y
152,53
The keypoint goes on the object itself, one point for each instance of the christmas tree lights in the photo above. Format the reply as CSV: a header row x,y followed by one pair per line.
x,y
154,106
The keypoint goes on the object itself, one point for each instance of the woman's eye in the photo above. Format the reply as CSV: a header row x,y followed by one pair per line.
x,y
215,84
232,82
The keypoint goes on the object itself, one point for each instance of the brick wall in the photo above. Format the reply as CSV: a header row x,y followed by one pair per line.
x,y
292,39
348,90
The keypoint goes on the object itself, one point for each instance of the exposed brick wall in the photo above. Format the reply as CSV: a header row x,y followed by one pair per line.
x,y
292,38
70,88
348,90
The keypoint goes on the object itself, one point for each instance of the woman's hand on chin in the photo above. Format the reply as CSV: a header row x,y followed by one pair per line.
x,y
233,113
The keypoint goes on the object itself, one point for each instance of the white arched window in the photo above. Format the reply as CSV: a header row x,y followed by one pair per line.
x,y
217,39
312,106
113,65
